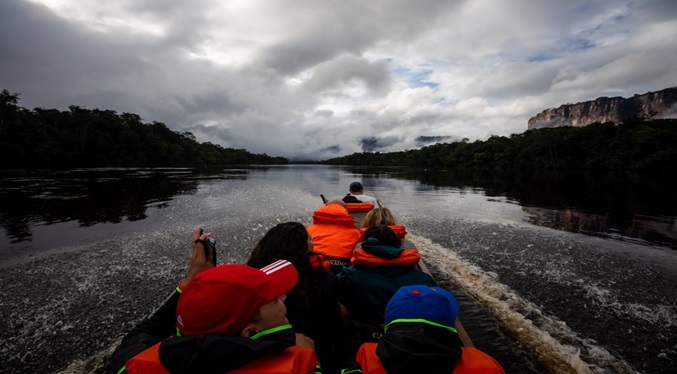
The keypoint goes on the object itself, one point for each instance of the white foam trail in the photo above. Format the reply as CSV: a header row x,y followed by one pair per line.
x,y
657,315
557,348
96,364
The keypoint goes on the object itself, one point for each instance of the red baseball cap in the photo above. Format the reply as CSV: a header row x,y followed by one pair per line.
x,y
224,299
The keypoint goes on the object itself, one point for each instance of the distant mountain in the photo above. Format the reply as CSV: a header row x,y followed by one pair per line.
x,y
659,104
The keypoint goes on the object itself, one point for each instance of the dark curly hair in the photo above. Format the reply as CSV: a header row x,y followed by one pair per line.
x,y
289,241
384,234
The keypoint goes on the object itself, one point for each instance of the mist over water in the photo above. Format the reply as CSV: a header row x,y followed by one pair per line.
x,y
87,253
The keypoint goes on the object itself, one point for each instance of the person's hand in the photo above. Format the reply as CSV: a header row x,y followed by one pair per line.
x,y
304,341
198,260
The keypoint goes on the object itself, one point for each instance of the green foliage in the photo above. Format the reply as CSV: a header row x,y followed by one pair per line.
x,y
79,137
633,145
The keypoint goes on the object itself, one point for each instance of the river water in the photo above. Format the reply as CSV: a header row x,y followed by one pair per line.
x,y
566,273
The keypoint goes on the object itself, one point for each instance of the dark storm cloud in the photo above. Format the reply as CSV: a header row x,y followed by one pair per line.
x,y
305,73
425,140
326,30
44,50
340,72
372,143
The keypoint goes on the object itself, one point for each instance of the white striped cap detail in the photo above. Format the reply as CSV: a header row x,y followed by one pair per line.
x,y
275,266
282,278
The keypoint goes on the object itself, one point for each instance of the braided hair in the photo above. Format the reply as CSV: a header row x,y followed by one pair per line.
x,y
289,241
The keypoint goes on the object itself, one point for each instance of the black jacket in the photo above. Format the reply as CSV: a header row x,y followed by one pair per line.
x,y
415,348
419,347
217,354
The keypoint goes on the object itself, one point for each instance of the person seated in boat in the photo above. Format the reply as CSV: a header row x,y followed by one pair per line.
x,y
312,307
229,318
420,337
356,194
381,264
383,216
334,233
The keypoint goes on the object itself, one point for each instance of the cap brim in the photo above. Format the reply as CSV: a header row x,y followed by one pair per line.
x,y
282,277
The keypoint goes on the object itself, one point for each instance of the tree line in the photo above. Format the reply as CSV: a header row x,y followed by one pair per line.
x,y
635,144
80,137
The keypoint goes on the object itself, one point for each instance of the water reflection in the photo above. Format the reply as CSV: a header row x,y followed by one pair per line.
x,y
659,230
609,204
87,196
618,205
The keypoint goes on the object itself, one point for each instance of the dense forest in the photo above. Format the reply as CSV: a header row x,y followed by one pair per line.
x,y
635,144
49,138
79,137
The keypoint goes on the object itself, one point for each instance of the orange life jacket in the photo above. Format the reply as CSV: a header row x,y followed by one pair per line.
x,y
359,207
296,360
146,362
319,262
400,230
408,258
473,361
334,232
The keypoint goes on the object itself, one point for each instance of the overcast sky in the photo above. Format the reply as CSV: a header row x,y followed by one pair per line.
x,y
314,79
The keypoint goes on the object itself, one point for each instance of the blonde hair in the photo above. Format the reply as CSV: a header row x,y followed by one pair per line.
x,y
379,216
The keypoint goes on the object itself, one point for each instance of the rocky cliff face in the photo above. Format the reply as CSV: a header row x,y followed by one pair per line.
x,y
659,104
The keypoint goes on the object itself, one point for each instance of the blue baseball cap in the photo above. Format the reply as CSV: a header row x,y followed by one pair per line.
x,y
432,304
355,186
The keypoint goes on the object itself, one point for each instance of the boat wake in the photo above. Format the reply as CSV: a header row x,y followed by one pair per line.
x,y
552,344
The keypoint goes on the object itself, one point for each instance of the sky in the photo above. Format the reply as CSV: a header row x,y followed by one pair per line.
x,y
316,79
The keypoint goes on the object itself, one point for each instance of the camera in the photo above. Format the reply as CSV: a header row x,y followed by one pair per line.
x,y
209,245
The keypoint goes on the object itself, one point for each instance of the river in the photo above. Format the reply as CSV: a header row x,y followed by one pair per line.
x,y
566,272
